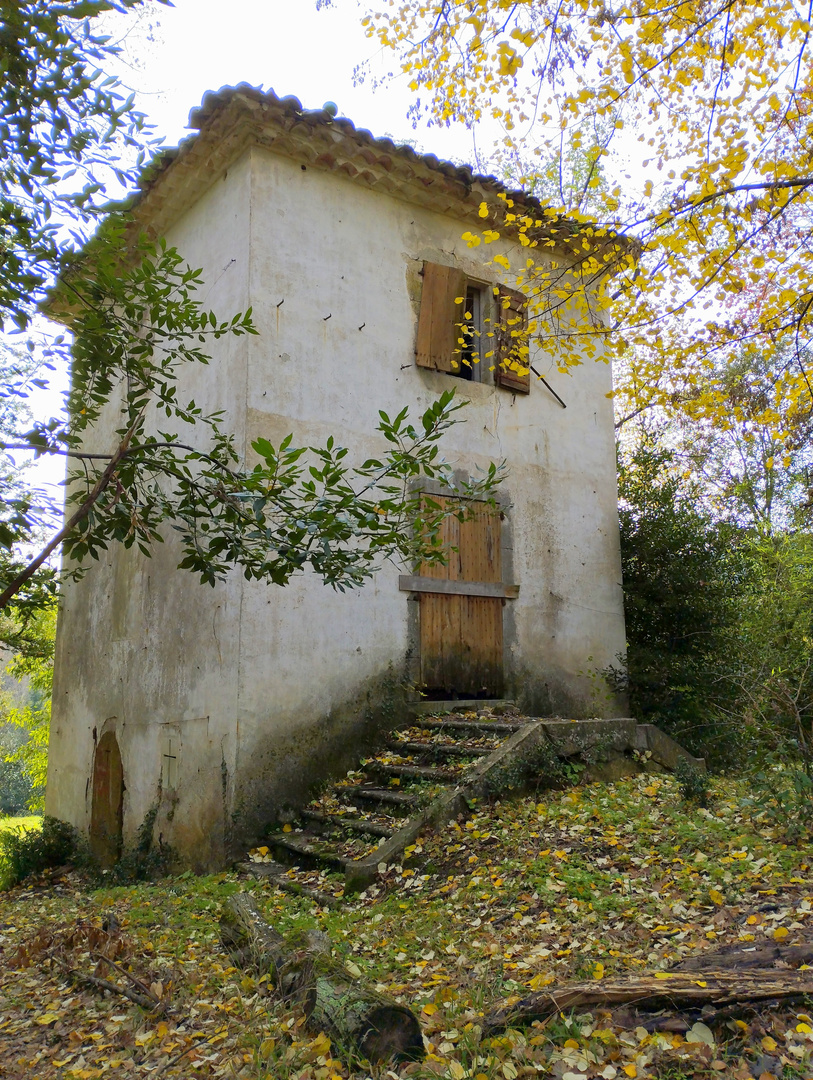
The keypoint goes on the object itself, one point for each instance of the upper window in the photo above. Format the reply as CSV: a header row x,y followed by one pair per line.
x,y
467,361
465,328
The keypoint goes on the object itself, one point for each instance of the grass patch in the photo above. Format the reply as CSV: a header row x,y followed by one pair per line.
x,y
32,821
25,851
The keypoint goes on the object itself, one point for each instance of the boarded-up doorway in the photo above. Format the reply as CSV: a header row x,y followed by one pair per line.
x,y
106,816
461,608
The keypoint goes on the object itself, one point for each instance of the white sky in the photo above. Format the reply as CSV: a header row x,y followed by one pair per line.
x,y
172,56
284,45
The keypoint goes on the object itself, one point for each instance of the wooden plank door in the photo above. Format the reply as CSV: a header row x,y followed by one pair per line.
x,y
106,816
461,635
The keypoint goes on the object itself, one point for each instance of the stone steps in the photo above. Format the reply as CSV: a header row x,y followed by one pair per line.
x,y
307,849
372,793
427,773
421,776
346,822
435,750
476,726
414,772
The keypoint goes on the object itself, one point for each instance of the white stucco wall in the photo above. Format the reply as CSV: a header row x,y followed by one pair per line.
x,y
267,688
143,649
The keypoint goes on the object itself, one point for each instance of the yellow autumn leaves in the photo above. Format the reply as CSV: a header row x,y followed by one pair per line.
x,y
720,247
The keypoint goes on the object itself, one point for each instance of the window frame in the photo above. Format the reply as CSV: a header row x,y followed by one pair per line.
x,y
501,319
471,369
510,327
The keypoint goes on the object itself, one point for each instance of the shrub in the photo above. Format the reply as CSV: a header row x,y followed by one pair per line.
x,y
29,851
540,766
781,796
693,783
682,573
16,789
144,860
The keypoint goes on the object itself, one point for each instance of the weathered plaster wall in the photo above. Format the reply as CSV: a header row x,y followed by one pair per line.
x,y
266,690
145,650
322,246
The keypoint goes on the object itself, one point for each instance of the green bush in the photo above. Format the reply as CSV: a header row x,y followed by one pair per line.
x,y
781,796
16,788
776,681
25,701
683,573
142,861
29,851
776,642
693,782
541,767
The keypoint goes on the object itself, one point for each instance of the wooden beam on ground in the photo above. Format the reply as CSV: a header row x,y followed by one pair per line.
x,y
666,990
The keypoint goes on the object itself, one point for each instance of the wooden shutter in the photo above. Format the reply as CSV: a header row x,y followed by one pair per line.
x,y
440,316
511,341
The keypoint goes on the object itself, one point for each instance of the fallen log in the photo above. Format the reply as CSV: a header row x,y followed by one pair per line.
x,y
359,1021
668,990
742,957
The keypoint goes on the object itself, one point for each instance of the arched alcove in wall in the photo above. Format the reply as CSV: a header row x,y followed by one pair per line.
x,y
106,816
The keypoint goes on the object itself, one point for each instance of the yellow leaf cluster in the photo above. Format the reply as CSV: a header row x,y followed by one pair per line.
x,y
718,245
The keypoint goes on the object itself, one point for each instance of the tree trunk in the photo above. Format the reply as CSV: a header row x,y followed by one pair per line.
x,y
674,990
359,1021
742,957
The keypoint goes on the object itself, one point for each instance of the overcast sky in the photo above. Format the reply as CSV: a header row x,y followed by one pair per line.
x,y
286,45
172,56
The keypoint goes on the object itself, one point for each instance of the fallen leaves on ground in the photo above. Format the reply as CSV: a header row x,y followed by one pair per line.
x,y
592,883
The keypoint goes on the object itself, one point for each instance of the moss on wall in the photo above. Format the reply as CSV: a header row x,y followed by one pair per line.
x,y
281,773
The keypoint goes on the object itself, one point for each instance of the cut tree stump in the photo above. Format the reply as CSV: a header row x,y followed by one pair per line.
x,y
673,990
358,1020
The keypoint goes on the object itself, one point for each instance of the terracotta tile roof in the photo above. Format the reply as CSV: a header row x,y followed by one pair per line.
x,y
380,152
231,119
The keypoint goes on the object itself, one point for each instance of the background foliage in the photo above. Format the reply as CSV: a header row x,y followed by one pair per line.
x,y
683,573
699,116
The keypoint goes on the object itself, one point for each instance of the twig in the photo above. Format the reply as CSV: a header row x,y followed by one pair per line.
x,y
104,985
128,975
183,1053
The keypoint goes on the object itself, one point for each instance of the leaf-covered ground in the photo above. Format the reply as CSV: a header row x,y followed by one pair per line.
x,y
591,883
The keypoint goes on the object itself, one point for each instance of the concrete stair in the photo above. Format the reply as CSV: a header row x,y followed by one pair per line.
x,y
427,773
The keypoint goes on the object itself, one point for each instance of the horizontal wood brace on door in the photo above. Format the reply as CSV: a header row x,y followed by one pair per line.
x,y
442,491
416,583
